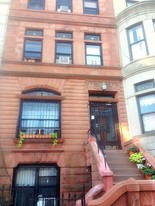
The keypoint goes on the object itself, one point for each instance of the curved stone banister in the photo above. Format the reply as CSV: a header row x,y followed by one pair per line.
x,y
130,192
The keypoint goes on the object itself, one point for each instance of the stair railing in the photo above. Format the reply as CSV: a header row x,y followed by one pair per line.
x,y
99,145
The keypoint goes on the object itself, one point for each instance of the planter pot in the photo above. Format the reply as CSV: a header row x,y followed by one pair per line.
x,y
147,177
140,166
131,152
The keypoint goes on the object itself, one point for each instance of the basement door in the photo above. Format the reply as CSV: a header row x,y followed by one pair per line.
x,y
36,185
104,124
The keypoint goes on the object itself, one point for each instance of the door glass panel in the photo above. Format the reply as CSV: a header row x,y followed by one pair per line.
x,y
25,177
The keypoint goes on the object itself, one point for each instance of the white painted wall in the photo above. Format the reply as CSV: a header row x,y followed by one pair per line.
x,y
4,10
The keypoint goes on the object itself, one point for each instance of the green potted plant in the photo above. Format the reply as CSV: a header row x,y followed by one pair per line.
x,y
132,149
153,177
54,137
21,140
148,171
138,159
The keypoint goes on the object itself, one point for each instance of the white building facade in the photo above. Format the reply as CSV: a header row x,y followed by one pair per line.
x,y
136,32
4,10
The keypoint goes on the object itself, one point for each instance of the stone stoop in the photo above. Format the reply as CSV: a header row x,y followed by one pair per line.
x,y
123,169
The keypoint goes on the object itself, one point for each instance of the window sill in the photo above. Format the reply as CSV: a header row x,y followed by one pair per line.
x,y
38,149
39,140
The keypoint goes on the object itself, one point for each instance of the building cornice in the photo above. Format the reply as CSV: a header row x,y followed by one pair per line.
x,y
46,70
139,9
62,18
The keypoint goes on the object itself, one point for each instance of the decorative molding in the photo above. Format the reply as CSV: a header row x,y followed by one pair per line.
x,y
139,9
139,66
97,85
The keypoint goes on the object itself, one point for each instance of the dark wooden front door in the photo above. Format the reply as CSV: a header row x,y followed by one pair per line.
x,y
104,124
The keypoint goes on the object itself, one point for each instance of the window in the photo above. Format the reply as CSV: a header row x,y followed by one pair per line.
x,y
36,4
147,111
40,112
93,50
36,185
64,5
137,42
33,46
131,2
144,85
64,48
64,35
90,7
154,24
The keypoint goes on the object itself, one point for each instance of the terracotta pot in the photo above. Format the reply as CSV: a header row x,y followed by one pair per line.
x,y
131,152
147,177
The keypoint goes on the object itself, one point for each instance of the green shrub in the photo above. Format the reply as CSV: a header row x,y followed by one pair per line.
x,y
137,158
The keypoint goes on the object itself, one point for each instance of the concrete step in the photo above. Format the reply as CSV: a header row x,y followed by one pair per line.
x,y
122,168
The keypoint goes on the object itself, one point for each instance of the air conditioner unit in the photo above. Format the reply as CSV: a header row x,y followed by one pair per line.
x,y
63,60
64,9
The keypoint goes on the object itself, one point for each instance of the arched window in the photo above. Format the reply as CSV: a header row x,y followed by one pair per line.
x,y
39,112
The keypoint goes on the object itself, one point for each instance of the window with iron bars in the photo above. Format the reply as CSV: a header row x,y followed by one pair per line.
x,y
39,113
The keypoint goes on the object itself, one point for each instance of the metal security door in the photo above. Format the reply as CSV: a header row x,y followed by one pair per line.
x,y
104,124
36,185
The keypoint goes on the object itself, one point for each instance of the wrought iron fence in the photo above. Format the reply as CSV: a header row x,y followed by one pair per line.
x,y
9,197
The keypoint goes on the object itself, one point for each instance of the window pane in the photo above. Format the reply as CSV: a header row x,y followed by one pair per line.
x,y
147,104
93,60
144,85
63,48
34,33
136,34
64,35
92,50
148,122
64,5
90,4
25,177
131,2
138,50
33,46
92,37
90,7
36,4
40,115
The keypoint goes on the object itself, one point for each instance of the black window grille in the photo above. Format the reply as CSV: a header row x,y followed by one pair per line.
x,y
39,116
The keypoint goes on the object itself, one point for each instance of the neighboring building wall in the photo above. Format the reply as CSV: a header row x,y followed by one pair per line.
x,y
138,69
4,9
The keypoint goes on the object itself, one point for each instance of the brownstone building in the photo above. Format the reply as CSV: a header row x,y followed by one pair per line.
x,y
60,75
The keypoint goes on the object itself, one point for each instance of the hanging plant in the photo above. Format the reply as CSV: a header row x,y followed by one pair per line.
x,y
21,140
54,137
